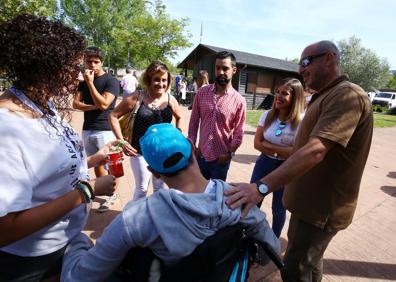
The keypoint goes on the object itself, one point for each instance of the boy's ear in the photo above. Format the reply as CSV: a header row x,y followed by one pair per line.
x,y
156,174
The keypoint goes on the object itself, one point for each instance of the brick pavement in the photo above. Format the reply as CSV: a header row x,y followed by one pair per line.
x,y
365,251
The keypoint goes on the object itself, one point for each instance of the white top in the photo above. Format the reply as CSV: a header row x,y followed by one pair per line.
x,y
285,139
37,165
129,84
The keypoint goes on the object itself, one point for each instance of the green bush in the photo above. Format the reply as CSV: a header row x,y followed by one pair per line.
x,y
379,109
392,111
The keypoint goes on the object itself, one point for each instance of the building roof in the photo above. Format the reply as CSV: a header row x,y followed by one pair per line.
x,y
249,59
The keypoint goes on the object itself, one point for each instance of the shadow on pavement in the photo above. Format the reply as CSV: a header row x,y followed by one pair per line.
x,y
371,270
392,174
390,190
97,222
244,158
248,132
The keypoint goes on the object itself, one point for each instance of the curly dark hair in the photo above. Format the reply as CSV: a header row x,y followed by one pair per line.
x,y
41,57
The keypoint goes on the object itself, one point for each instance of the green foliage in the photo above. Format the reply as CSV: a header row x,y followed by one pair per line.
x,y
380,120
11,8
392,82
363,65
392,111
139,27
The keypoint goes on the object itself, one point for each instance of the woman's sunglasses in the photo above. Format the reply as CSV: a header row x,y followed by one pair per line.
x,y
279,131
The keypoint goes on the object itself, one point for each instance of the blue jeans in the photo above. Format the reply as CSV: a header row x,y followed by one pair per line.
x,y
212,169
265,165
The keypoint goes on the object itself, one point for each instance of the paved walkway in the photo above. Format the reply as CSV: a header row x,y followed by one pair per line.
x,y
365,251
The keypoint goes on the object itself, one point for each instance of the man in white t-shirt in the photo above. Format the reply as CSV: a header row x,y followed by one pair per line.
x,y
128,83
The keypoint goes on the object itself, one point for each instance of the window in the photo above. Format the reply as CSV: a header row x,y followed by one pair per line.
x,y
251,82
264,82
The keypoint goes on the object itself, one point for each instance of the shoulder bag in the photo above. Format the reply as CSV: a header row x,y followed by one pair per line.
x,y
127,121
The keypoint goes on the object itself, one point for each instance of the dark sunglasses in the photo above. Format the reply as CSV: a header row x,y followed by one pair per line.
x,y
305,62
279,131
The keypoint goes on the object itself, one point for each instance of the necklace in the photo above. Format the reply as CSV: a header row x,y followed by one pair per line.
x,y
154,102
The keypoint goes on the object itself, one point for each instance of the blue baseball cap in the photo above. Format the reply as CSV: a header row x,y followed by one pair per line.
x,y
162,141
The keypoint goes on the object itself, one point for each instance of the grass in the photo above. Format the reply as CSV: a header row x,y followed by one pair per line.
x,y
384,120
380,120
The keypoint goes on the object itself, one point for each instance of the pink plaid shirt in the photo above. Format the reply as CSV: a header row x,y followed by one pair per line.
x,y
221,121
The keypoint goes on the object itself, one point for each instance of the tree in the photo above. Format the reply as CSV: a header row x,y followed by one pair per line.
x,y
392,82
363,66
11,8
139,28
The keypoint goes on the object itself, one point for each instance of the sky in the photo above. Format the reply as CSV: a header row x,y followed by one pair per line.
x,y
282,28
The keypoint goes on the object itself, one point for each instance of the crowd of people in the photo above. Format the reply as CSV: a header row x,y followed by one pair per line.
x,y
311,159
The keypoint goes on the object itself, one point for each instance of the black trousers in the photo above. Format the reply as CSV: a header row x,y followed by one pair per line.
x,y
16,268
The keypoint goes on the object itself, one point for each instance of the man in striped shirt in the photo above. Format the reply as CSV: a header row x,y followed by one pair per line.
x,y
219,112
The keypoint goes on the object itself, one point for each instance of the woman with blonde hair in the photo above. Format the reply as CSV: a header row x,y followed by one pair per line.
x,y
203,78
274,138
157,106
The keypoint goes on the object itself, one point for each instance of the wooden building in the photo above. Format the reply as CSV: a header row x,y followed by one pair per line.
x,y
256,75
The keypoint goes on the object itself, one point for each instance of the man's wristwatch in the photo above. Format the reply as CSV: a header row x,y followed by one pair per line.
x,y
232,154
262,188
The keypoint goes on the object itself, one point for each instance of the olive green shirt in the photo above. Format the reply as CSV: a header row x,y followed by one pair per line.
x,y
326,196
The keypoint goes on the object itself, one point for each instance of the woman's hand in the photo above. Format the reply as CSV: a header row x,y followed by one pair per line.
x,y
129,150
223,159
105,185
100,157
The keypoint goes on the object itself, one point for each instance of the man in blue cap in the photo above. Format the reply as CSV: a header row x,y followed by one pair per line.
x,y
171,222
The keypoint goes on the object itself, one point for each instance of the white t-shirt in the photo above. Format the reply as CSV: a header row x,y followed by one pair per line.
x,y
285,139
129,83
37,166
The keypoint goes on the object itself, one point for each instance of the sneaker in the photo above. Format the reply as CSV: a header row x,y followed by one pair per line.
x,y
104,207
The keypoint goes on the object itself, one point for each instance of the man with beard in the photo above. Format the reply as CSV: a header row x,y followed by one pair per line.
x,y
219,112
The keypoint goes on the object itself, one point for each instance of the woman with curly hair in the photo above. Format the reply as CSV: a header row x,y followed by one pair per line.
x,y
157,106
43,187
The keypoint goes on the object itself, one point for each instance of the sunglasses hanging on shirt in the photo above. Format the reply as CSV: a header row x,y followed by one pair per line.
x,y
279,131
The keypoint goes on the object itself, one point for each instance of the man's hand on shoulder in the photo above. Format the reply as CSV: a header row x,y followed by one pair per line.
x,y
243,195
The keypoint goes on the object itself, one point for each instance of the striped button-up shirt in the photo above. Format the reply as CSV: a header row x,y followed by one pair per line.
x,y
220,120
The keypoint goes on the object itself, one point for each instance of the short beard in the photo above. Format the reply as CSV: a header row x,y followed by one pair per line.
x,y
222,81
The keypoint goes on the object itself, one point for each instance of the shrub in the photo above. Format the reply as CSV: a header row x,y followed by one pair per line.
x,y
391,111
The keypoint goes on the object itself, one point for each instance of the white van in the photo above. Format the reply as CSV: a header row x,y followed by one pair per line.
x,y
385,99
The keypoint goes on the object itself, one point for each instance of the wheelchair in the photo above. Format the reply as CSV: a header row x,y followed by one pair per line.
x,y
225,256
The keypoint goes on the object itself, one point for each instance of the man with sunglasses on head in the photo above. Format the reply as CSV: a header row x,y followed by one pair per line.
x,y
322,176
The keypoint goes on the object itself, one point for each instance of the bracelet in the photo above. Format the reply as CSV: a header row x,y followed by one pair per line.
x,y
86,189
86,183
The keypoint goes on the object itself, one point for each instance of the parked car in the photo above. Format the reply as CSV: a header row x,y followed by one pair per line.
x,y
371,95
385,99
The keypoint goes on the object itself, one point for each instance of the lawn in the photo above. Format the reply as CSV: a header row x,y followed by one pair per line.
x,y
380,120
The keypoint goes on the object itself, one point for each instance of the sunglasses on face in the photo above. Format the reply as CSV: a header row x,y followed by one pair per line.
x,y
305,62
279,131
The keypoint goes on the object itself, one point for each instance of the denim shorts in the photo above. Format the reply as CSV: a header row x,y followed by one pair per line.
x,y
95,140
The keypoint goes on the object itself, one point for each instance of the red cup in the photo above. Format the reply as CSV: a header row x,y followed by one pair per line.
x,y
115,164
